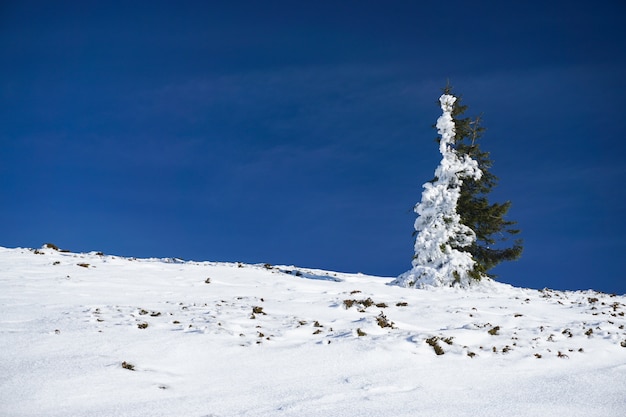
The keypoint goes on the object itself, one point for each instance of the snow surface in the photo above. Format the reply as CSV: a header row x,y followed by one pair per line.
x,y
219,339
438,261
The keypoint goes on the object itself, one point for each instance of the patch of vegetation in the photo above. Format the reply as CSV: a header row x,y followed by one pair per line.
x,y
381,305
383,321
51,246
360,332
368,302
258,310
84,265
567,332
355,292
589,332
494,331
448,340
402,304
128,365
317,324
143,325
432,341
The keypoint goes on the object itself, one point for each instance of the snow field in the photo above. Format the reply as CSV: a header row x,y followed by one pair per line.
x,y
98,335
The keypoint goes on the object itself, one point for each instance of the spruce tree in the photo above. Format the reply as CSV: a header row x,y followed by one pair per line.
x,y
493,231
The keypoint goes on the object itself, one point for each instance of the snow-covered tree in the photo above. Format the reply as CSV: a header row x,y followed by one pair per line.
x,y
439,231
495,233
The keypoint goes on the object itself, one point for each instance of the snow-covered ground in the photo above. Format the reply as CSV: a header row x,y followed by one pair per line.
x,y
98,335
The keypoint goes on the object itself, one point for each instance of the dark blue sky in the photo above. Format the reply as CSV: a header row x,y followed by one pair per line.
x,y
301,132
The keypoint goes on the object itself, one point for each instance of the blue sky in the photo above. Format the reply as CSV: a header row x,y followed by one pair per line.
x,y
301,132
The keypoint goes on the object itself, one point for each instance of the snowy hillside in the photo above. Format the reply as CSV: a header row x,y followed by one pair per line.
x,y
99,335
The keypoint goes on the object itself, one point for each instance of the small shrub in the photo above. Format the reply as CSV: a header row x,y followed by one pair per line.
x,y
84,265
538,356
348,303
318,331
402,304
142,325
360,333
355,292
471,354
51,246
589,332
317,324
56,263
129,366
381,305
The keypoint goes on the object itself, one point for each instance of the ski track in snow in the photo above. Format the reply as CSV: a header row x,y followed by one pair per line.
x,y
98,335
